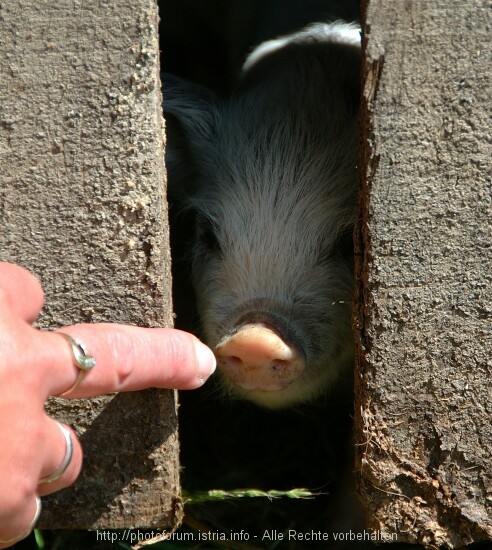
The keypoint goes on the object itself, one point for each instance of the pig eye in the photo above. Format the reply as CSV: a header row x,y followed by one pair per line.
x,y
345,243
343,247
207,234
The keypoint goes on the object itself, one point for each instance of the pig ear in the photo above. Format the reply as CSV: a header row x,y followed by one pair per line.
x,y
191,117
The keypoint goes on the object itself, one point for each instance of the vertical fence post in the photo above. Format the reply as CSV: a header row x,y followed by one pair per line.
x,y
424,274
83,206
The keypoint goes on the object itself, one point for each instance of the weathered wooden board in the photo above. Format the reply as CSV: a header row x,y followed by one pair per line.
x,y
424,315
83,206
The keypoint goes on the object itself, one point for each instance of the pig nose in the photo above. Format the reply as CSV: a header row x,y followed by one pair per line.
x,y
257,358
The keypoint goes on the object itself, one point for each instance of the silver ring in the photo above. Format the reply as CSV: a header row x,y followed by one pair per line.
x,y
83,361
23,534
67,434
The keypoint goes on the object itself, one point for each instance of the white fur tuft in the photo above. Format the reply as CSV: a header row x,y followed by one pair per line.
x,y
338,32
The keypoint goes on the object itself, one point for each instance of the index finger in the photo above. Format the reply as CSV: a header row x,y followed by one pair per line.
x,y
129,358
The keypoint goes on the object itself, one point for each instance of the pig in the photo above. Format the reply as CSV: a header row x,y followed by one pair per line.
x,y
269,175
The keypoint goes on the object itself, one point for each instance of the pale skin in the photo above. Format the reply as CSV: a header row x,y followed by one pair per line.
x,y
37,364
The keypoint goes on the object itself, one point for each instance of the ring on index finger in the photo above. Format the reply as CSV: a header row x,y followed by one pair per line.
x,y
82,360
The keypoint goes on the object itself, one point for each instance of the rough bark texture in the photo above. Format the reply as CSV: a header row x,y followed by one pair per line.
x,y
424,273
83,206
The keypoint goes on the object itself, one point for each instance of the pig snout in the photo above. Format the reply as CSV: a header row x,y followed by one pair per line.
x,y
257,358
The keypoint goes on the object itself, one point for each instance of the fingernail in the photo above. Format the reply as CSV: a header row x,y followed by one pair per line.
x,y
206,361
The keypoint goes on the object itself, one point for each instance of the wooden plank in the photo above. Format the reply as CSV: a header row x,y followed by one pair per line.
x,y
424,274
83,206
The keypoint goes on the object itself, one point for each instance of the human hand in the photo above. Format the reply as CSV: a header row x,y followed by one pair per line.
x,y
35,365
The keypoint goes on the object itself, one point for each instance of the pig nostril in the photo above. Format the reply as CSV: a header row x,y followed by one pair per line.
x,y
232,361
280,366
